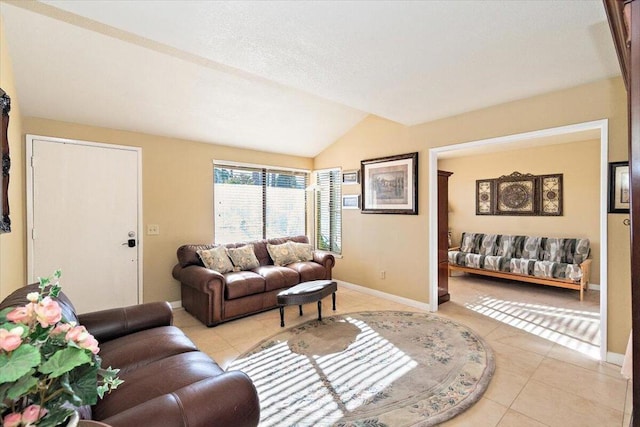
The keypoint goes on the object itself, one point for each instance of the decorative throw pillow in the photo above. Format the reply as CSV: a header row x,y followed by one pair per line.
x,y
304,251
283,254
216,259
243,258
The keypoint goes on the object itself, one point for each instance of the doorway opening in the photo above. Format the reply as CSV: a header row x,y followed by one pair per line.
x,y
571,133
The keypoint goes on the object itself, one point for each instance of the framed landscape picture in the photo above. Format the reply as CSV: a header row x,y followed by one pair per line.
x,y
351,201
390,184
351,177
619,196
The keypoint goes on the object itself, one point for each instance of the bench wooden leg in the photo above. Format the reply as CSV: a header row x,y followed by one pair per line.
x,y
282,316
319,309
333,297
300,310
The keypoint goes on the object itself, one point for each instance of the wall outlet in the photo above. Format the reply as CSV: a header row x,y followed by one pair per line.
x,y
383,274
153,229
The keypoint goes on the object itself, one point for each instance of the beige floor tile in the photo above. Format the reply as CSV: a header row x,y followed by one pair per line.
x,y
574,357
516,419
628,402
516,360
485,413
515,337
594,386
505,386
556,407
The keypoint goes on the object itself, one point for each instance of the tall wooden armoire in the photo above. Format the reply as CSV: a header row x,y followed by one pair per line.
x,y
443,236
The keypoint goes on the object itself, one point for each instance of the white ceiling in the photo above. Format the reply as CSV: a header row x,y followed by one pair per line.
x,y
292,77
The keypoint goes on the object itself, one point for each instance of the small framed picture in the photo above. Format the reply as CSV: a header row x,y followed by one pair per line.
x,y
619,196
390,184
351,201
351,177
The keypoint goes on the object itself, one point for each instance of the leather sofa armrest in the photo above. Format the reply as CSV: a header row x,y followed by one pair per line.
x,y
106,325
200,278
325,258
229,399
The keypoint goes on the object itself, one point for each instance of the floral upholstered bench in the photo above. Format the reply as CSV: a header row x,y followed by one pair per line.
x,y
552,261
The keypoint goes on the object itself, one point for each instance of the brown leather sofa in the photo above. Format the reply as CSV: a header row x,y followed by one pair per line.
x,y
214,298
167,381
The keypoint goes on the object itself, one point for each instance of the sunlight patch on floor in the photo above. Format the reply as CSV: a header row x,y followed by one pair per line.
x,y
575,329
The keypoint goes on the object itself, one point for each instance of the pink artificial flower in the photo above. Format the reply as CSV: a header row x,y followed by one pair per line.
x,y
61,328
10,340
91,344
32,414
48,312
83,338
12,420
21,314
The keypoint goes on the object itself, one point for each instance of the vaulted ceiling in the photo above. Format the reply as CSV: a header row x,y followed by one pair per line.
x,y
292,77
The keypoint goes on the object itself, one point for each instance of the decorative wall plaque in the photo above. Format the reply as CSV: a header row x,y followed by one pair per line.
x,y
520,194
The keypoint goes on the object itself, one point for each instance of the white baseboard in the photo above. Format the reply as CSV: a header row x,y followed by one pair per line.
x,y
615,358
176,304
593,287
380,294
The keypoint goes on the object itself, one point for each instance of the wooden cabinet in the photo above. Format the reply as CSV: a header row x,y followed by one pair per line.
x,y
443,236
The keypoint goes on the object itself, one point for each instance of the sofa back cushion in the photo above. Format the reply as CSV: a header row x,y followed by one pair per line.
x,y
216,259
187,254
531,248
575,251
509,246
471,242
243,258
553,249
489,245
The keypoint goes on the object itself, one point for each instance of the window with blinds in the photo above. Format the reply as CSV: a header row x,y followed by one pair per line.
x,y
329,211
253,203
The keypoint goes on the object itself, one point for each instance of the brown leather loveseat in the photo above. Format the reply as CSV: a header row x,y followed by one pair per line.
x,y
167,381
214,297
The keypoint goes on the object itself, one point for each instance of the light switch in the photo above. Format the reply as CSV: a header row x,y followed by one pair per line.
x,y
153,229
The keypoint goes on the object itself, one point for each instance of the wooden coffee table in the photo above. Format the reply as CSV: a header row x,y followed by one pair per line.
x,y
305,293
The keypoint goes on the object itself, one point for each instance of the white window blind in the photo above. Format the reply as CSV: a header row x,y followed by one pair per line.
x,y
329,211
253,203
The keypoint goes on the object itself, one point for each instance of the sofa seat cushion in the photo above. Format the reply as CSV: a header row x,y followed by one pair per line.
x,y
557,270
457,257
156,379
522,266
474,260
308,271
243,283
277,277
497,263
141,348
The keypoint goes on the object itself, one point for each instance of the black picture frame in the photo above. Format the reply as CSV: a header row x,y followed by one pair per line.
x,y
390,185
5,105
619,190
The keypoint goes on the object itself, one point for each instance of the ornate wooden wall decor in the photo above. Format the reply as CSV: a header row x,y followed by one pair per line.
x,y
5,105
520,194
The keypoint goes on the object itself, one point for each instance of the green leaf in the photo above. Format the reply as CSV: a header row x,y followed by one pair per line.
x,y
23,385
56,417
17,363
84,383
64,361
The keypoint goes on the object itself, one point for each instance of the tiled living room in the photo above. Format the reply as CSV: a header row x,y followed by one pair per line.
x,y
232,163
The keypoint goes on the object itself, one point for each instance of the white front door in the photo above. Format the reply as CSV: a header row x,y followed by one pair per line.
x,y
83,212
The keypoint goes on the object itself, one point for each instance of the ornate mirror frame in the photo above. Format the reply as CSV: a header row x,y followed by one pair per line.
x,y
5,104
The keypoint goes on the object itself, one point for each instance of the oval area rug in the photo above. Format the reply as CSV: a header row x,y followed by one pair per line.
x,y
375,368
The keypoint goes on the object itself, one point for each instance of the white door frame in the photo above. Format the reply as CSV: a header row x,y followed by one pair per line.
x,y
29,168
600,125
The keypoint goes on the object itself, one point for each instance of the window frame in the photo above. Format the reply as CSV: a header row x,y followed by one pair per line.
x,y
337,208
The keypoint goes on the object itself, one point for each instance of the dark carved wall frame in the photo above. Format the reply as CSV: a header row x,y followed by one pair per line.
x,y
520,195
5,105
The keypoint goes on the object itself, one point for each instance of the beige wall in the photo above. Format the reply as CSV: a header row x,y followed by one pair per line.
x,y
177,186
12,245
398,243
581,195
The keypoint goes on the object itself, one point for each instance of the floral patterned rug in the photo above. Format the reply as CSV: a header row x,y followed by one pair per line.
x,y
383,368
